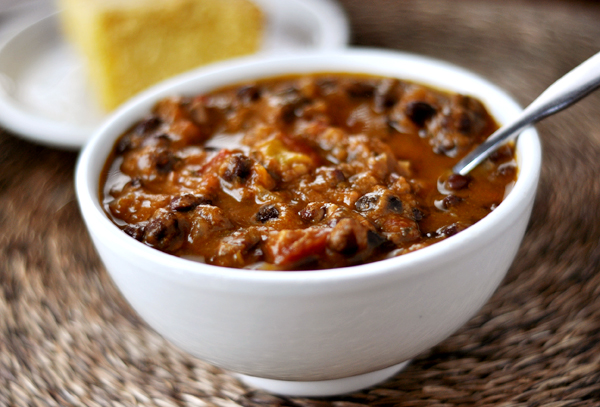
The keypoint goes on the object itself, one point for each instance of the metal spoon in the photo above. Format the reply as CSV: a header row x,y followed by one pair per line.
x,y
575,85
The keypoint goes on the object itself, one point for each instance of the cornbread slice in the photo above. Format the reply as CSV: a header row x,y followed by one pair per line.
x,y
132,44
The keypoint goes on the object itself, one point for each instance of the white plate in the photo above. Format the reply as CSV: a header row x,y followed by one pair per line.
x,y
44,94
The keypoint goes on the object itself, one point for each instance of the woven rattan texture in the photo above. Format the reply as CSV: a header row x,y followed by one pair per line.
x,y
68,338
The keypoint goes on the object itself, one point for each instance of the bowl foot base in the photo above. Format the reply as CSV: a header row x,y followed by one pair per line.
x,y
323,388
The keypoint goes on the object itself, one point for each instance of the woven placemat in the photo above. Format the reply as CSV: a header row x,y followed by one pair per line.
x,y
67,337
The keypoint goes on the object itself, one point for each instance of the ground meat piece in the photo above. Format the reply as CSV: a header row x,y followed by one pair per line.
x,y
326,214
400,185
294,247
187,202
128,142
327,178
249,93
363,182
394,218
468,114
387,94
206,220
198,112
234,247
147,125
166,230
508,169
419,112
368,202
327,85
314,212
418,214
415,111
164,160
278,216
503,153
136,230
134,138
348,236
322,186
380,202
331,138
151,162
288,107
136,206
370,154
399,229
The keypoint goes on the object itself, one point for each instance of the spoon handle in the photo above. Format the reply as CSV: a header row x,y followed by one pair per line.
x,y
576,84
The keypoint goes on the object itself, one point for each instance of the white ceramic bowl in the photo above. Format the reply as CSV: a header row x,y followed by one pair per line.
x,y
314,333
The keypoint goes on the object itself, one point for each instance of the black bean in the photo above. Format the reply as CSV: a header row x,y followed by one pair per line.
x,y
313,213
291,96
124,144
360,90
464,124
162,138
136,231
386,95
147,125
187,202
503,153
288,113
291,101
249,93
367,202
418,215
165,232
267,212
419,112
164,161
346,242
507,170
348,237
446,147
457,182
185,101
450,230
239,167
394,204
384,102
375,239
451,200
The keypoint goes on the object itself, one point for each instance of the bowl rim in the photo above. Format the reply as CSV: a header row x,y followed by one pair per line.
x,y
406,264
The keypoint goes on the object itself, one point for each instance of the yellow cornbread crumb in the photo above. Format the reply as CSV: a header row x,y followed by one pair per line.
x,y
132,44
